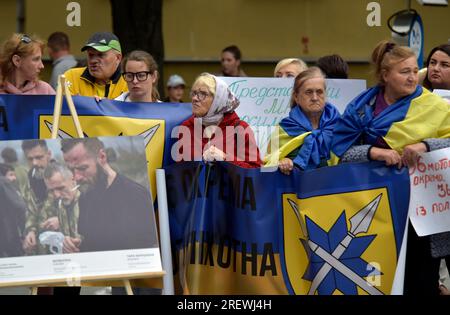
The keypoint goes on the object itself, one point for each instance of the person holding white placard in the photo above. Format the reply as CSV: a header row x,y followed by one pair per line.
x,y
438,77
394,122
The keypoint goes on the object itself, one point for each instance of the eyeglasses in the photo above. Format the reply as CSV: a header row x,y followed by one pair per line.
x,y
201,95
23,39
140,76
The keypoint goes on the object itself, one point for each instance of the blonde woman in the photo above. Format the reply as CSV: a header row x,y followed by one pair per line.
x,y
289,68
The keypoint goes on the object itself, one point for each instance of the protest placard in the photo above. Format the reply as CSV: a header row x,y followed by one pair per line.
x,y
266,101
444,94
429,206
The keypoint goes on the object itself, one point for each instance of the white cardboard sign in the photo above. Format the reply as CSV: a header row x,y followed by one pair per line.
x,y
429,206
266,101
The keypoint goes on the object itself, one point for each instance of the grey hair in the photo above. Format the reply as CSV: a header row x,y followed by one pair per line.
x,y
208,80
55,167
310,73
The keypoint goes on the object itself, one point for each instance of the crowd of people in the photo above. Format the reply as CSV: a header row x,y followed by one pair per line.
x,y
393,122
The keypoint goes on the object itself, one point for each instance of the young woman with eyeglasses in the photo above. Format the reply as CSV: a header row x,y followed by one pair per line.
x,y
140,71
20,65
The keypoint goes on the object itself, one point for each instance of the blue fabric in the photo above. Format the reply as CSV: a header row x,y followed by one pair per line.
x,y
23,114
358,120
244,210
317,145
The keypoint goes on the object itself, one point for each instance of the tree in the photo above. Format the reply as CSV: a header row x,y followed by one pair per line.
x,y
138,24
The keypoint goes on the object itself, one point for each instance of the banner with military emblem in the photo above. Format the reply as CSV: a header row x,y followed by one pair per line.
x,y
30,117
335,230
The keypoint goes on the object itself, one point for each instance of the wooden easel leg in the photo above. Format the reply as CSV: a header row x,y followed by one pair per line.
x,y
57,109
63,90
127,285
33,290
73,112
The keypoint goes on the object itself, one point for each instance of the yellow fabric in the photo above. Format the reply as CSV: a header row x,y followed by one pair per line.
x,y
81,86
334,159
427,117
286,145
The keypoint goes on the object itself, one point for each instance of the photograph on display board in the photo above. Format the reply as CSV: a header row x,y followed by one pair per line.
x,y
72,197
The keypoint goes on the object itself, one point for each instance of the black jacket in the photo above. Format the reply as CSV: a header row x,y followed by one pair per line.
x,y
12,220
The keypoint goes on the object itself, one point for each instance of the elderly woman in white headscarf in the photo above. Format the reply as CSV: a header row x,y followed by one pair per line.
x,y
215,132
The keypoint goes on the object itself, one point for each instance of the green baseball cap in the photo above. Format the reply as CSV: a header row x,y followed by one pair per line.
x,y
103,41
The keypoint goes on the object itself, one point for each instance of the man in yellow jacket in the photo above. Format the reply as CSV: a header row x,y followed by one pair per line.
x,y
102,76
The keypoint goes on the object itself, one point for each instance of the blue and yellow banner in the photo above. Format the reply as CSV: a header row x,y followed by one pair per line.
x,y
335,230
31,117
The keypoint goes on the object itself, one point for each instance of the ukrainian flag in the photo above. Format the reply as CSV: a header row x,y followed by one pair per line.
x,y
410,120
333,230
296,139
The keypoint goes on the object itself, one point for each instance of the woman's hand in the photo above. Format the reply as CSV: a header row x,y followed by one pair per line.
x,y
213,154
412,152
98,99
390,157
286,166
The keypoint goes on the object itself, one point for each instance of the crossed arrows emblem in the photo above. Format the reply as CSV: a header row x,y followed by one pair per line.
x,y
360,223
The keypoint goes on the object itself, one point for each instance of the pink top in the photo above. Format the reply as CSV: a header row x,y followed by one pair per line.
x,y
39,87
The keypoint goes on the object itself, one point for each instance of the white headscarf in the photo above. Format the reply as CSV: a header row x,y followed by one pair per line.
x,y
224,102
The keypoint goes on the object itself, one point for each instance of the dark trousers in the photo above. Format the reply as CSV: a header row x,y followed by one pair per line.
x,y
66,290
136,291
421,270
45,291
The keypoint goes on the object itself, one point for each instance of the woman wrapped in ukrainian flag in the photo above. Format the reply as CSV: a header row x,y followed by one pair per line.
x,y
394,122
304,137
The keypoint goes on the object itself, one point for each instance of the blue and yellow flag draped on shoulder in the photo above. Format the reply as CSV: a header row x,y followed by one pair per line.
x,y
297,139
334,230
410,120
